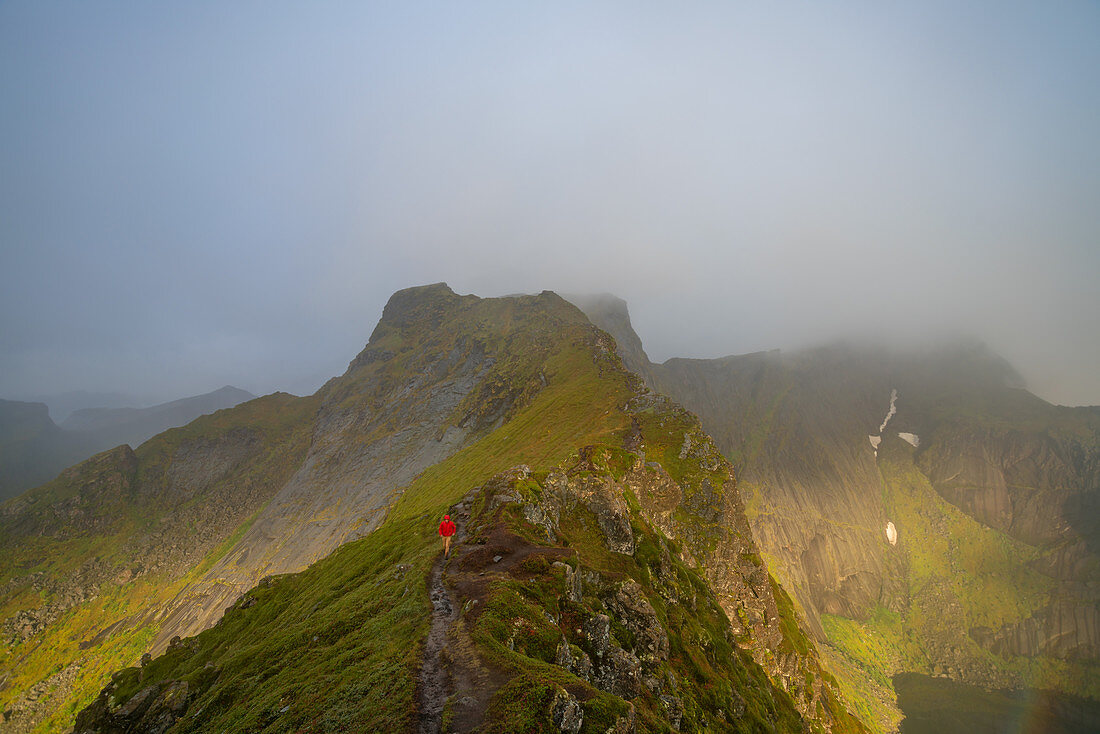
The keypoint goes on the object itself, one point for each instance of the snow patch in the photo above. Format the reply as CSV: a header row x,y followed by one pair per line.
x,y
890,413
875,441
891,533
911,438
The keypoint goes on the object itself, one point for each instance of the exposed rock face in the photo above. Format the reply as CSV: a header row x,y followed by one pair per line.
x,y
1020,482
704,514
566,713
812,467
1065,630
636,613
1033,486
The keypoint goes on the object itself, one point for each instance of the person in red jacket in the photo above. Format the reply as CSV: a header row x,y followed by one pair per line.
x,y
446,531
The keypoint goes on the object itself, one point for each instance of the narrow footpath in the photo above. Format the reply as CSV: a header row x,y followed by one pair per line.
x,y
451,669
435,683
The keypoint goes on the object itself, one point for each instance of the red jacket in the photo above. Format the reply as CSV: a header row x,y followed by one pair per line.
x,y
447,528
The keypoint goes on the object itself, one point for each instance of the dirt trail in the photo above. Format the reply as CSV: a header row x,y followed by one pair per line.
x,y
451,668
434,679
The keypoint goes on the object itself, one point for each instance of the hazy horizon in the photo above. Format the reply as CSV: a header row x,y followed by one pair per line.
x,y
214,194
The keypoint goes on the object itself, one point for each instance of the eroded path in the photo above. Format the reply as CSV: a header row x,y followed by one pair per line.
x,y
454,678
435,684
452,669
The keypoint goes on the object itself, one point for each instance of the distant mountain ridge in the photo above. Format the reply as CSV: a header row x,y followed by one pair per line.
x,y
134,425
33,449
64,404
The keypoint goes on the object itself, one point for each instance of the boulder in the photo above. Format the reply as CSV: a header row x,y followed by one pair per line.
x,y
566,712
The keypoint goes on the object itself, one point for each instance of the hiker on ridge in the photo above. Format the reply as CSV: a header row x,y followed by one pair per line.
x,y
446,531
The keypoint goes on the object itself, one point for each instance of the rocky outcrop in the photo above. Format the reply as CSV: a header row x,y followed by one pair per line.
x,y
566,712
703,513
152,710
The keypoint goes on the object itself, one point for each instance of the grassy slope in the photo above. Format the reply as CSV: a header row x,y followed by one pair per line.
x,y
334,648
109,528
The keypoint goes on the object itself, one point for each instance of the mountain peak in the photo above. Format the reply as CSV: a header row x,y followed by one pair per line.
x,y
414,305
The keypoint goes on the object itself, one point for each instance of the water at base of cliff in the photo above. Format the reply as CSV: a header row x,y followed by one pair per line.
x,y
942,706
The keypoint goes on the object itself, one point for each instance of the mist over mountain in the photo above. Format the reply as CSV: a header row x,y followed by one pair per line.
x,y
606,572
837,466
748,178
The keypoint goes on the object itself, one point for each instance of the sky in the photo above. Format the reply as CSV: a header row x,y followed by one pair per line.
x,y
198,194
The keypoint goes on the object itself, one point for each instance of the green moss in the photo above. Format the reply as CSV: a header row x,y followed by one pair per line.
x,y
522,705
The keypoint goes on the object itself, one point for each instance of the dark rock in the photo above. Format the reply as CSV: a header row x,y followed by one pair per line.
x,y
633,611
597,630
573,588
566,712
137,704
620,673
574,660
625,724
